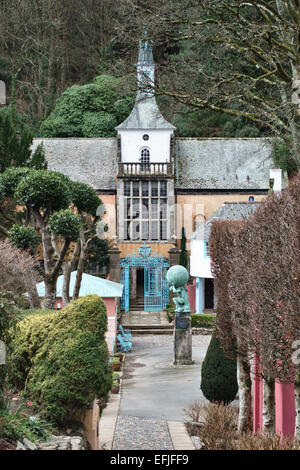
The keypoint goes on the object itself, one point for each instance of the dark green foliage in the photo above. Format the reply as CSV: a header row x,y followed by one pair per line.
x,y
65,223
15,426
23,237
283,157
183,255
203,321
98,253
65,356
14,149
38,160
15,143
219,374
85,198
44,189
91,110
11,178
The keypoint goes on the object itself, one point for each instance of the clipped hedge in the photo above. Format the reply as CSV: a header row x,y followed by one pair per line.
x,y
203,321
65,358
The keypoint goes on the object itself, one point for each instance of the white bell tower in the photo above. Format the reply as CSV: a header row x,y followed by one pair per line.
x,y
145,135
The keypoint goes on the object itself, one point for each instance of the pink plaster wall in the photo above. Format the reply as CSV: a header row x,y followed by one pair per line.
x,y
191,289
285,408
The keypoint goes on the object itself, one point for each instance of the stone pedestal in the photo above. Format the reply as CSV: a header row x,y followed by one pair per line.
x,y
182,339
114,263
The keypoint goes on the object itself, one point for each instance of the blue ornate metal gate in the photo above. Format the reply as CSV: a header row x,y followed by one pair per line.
x,y
156,289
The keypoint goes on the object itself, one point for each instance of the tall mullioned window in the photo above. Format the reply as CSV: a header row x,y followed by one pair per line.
x,y
145,210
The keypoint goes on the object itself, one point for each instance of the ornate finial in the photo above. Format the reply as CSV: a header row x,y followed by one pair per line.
x,y
144,251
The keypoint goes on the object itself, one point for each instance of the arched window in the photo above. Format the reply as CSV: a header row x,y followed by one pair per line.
x,y
145,155
145,159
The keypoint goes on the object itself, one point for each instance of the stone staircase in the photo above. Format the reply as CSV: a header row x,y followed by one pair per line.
x,y
137,305
140,322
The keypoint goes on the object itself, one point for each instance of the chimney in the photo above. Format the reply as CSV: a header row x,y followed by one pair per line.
x,y
276,176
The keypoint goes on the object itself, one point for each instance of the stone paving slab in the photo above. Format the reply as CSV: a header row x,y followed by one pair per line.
x,y
133,433
108,420
179,436
147,426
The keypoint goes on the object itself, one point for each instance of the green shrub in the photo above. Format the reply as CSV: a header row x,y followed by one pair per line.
x,y
65,357
203,321
219,374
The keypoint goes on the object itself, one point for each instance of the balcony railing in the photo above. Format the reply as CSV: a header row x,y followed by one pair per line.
x,y
146,169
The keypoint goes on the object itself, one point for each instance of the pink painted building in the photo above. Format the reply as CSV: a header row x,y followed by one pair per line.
x,y
285,409
109,291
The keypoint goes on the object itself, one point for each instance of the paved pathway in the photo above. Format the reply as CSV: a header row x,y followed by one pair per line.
x,y
154,394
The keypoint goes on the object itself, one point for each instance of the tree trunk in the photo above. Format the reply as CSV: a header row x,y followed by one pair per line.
x,y
67,269
50,294
297,402
80,268
34,299
244,382
269,405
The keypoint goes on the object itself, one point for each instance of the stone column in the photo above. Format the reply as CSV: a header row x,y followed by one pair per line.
x,y
174,256
183,339
114,263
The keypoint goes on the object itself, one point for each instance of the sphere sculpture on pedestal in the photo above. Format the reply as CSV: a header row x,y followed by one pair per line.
x,y
177,277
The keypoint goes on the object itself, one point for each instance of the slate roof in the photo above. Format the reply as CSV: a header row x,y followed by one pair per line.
x,y
220,163
227,211
201,164
89,160
145,115
89,285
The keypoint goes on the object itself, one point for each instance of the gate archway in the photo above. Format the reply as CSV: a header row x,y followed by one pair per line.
x,y
156,289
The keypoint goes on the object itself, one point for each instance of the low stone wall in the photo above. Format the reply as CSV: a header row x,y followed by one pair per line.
x,y
202,331
55,443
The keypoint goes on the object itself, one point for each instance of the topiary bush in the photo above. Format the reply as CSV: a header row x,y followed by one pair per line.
x,y
65,357
219,374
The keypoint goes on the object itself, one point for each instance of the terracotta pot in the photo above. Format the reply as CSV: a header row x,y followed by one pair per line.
x,y
115,366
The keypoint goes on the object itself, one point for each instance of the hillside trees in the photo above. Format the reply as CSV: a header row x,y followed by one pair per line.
x,y
92,110
15,143
47,46
253,67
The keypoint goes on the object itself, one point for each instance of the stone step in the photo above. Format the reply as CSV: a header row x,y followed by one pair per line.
x,y
161,331
147,327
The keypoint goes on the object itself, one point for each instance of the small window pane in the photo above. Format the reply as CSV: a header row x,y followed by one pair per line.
x,y
145,230
163,230
154,188
145,208
154,230
135,208
154,208
126,188
163,188
145,188
163,208
127,209
127,230
135,230
136,188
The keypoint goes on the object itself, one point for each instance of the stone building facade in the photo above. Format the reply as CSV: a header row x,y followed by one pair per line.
x,y
153,184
